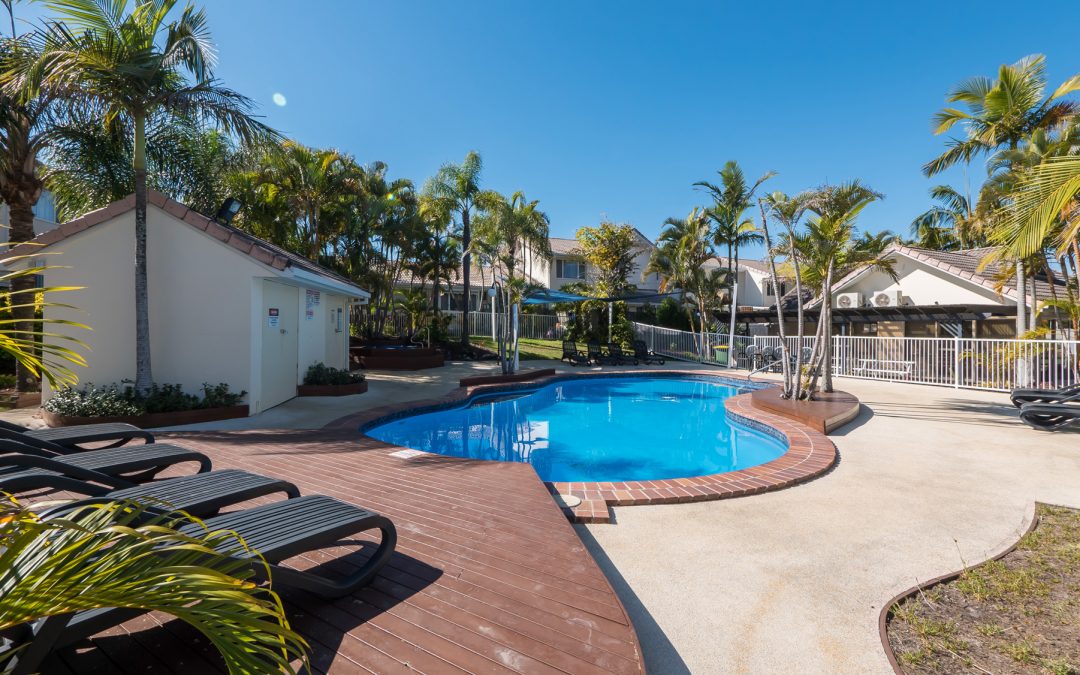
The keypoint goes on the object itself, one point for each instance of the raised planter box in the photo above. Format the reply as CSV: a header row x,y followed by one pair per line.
x,y
331,389
520,376
404,358
151,420
825,414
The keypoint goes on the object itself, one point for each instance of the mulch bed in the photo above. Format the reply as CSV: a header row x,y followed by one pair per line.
x,y
1017,614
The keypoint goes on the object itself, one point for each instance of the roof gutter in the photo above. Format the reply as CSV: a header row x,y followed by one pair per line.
x,y
328,284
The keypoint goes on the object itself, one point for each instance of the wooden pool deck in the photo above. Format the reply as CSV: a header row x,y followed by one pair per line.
x,y
488,577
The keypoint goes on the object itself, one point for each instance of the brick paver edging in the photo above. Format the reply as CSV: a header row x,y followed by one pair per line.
x,y
809,453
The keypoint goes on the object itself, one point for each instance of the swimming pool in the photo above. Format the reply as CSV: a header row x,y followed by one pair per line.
x,y
595,429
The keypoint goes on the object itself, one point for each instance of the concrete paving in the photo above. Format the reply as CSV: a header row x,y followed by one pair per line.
x,y
792,581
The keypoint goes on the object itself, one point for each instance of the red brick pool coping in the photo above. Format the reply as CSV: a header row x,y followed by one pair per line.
x,y
810,453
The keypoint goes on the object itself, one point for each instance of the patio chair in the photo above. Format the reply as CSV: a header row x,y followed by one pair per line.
x,y
642,353
1050,416
571,353
618,356
1021,396
68,439
596,354
24,467
275,532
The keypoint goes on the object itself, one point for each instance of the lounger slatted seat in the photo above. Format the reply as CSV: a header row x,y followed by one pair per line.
x,y
277,531
70,438
617,355
1021,396
23,468
201,494
597,355
571,353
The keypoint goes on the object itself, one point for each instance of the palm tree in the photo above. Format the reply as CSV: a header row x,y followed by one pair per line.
x,y
455,189
1001,113
682,250
134,65
949,224
731,200
789,211
24,133
830,247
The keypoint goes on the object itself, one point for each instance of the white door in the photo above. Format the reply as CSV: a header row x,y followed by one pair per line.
x,y
280,357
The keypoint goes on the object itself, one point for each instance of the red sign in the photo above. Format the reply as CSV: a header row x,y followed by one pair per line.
x,y
273,311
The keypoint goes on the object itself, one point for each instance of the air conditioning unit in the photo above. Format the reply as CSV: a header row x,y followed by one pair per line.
x,y
848,300
888,299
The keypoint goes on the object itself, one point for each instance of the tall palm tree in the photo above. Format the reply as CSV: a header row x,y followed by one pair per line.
x,y
134,62
949,224
831,247
684,247
732,198
24,133
455,189
789,211
1001,113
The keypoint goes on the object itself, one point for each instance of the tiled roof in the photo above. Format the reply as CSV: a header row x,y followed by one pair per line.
x,y
259,249
759,265
563,246
964,264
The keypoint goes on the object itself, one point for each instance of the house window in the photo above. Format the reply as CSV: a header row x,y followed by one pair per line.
x,y
769,289
569,269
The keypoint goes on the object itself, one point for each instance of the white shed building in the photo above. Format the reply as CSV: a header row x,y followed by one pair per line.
x,y
224,306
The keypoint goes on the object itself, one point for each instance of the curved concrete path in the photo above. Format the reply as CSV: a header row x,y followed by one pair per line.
x,y
793,581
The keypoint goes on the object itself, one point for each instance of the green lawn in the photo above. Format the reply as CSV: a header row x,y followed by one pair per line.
x,y
530,349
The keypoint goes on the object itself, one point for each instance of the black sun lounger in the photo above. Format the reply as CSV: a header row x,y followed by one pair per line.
x,y
25,468
597,355
68,439
617,355
1050,416
1021,396
276,531
642,353
571,353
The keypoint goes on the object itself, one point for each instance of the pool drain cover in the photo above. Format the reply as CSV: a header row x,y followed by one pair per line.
x,y
567,501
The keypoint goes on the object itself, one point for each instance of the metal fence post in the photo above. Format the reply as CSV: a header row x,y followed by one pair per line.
x,y
956,363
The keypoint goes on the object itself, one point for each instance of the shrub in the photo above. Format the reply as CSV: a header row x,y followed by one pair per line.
x,y
91,401
112,401
671,315
322,374
7,381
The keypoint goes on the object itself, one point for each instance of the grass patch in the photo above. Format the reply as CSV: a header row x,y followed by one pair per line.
x,y
1019,614
531,349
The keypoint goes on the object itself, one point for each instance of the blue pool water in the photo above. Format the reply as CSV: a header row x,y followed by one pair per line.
x,y
599,429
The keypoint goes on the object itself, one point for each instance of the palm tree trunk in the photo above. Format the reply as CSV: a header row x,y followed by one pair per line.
x,y
21,214
826,332
143,375
466,264
789,388
1021,299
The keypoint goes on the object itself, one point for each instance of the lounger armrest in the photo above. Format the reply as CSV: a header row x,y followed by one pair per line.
x,y
26,439
49,464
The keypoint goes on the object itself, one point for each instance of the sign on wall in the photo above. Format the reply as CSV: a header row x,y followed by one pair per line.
x,y
311,301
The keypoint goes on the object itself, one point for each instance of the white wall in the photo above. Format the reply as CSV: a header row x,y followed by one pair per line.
x,y
921,284
200,295
319,339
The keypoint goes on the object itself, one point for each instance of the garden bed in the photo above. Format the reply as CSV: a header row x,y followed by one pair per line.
x,y
151,420
1017,613
332,389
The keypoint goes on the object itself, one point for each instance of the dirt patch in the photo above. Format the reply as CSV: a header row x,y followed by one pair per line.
x,y
1018,614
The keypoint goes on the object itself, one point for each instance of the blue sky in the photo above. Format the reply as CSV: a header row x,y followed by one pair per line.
x,y
613,109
